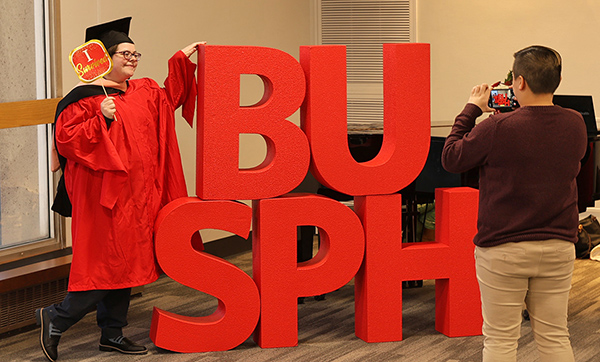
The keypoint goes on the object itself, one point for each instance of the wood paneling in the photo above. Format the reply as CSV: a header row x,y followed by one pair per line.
x,y
34,274
27,113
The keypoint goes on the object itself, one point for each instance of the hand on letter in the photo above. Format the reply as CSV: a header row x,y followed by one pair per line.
x,y
191,49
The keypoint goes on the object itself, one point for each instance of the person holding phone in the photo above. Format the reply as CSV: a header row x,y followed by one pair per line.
x,y
528,162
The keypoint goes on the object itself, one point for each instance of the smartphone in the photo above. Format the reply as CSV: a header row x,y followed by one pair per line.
x,y
502,98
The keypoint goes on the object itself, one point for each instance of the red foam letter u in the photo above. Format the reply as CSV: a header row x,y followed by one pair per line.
x,y
406,127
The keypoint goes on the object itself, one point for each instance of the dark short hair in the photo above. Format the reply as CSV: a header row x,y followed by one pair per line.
x,y
112,50
540,66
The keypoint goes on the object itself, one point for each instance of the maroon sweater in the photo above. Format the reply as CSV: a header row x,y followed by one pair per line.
x,y
528,160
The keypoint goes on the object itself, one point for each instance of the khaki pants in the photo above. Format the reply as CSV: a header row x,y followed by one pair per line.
x,y
537,273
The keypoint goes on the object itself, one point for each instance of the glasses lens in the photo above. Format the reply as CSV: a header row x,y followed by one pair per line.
x,y
129,55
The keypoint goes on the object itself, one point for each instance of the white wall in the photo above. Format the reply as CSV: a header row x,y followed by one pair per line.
x,y
472,42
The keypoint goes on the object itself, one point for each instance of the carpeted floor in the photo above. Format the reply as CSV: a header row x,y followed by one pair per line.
x,y
325,331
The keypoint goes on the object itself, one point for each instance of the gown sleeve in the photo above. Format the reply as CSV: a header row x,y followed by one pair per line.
x,y
180,85
82,137
180,89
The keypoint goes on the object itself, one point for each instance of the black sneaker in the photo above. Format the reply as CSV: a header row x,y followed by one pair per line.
x,y
49,334
121,344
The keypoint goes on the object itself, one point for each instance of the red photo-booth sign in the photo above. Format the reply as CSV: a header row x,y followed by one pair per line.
x,y
90,61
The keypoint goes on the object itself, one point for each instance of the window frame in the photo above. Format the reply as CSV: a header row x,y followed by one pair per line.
x,y
40,113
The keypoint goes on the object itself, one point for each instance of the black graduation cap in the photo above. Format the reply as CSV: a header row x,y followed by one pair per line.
x,y
111,33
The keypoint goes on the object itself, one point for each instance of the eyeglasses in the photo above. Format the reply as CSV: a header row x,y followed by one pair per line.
x,y
129,55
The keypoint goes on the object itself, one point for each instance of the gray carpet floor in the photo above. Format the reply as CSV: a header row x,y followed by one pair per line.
x,y
325,331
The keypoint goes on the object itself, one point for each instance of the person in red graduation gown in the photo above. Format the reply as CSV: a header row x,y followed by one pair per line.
x,y
121,165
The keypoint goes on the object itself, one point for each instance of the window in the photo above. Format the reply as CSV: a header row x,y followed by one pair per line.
x,y
27,226
363,26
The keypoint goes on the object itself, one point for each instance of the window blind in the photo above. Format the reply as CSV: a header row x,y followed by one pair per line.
x,y
364,26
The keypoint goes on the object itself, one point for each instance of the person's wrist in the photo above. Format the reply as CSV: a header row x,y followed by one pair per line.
x,y
110,116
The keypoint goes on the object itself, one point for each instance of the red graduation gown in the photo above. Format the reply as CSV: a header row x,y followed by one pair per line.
x,y
118,178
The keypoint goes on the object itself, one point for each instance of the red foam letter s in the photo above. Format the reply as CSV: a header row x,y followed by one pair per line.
x,y
406,124
278,276
239,302
221,120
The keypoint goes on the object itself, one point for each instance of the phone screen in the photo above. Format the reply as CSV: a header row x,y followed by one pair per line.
x,y
501,98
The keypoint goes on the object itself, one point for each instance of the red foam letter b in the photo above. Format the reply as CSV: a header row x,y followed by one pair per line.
x,y
221,120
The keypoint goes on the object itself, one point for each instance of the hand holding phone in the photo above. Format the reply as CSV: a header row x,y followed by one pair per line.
x,y
502,98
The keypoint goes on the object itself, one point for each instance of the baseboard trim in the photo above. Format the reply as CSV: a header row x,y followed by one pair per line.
x,y
25,285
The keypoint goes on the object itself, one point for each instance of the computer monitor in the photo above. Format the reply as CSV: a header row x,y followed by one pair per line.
x,y
588,185
583,105
433,175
